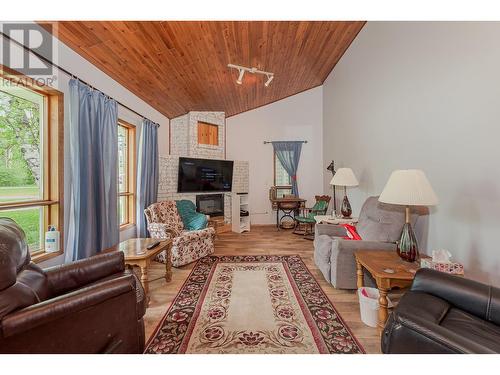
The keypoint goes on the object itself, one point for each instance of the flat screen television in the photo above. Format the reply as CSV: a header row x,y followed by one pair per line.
x,y
200,175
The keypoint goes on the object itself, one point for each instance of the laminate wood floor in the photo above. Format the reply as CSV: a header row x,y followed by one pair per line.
x,y
262,240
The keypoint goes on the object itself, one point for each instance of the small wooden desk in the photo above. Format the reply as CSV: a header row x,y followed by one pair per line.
x,y
375,262
136,254
287,206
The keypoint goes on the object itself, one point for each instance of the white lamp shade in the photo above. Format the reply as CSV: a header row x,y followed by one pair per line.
x,y
408,187
344,177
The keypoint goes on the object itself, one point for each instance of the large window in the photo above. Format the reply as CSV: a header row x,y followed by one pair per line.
x,y
31,160
126,174
282,179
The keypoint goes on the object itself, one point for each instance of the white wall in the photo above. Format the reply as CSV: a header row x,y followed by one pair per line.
x,y
405,95
425,95
297,117
73,62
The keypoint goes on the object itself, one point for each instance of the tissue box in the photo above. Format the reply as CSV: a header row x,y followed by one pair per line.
x,y
452,268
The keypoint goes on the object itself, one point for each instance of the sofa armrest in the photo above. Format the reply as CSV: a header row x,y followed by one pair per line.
x,y
59,307
343,251
350,246
74,275
195,235
471,296
331,230
343,271
162,231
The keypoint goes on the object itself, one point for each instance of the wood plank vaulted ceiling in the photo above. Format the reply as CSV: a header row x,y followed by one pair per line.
x,y
179,67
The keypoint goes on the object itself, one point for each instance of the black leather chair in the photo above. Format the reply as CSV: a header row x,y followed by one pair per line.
x,y
443,313
94,305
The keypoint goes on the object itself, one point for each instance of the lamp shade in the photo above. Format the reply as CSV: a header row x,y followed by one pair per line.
x,y
408,187
344,177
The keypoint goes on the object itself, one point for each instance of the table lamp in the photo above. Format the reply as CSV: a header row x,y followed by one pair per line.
x,y
345,177
409,188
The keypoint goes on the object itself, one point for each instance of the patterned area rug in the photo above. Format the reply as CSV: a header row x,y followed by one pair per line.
x,y
252,304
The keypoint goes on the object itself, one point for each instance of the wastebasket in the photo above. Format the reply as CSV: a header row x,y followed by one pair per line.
x,y
368,305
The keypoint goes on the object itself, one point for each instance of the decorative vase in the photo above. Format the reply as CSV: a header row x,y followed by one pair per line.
x,y
346,208
407,246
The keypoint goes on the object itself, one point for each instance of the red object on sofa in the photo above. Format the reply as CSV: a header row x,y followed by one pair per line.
x,y
352,233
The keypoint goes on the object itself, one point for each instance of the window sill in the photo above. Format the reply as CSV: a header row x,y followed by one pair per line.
x,y
125,227
43,256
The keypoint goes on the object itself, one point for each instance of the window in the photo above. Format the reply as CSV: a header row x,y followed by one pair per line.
x,y
126,174
31,157
282,179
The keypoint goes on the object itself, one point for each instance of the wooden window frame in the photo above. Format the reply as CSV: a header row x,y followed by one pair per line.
x,y
52,200
280,187
131,175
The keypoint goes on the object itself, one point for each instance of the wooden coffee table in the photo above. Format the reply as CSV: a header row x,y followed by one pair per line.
x,y
136,254
375,262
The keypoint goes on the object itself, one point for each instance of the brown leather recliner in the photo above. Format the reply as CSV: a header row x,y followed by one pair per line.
x,y
90,306
444,314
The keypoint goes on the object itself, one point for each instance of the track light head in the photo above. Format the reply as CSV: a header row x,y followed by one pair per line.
x,y
239,81
253,70
269,79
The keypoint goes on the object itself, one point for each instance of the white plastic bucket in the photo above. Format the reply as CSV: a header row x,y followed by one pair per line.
x,y
368,306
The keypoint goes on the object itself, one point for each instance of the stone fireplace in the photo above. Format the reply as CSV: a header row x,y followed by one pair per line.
x,y
184,142
210,204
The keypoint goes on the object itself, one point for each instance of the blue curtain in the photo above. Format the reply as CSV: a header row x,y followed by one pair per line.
x,y
288,153
147,181
93,133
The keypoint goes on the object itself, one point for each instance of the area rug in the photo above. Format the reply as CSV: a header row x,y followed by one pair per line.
x,y
252,304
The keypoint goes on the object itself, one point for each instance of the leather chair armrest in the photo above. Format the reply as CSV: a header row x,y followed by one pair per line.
x,y
74,275
408,331
56,308
471,296
331,230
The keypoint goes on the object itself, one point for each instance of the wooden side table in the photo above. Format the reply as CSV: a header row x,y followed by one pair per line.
x,y
375,262
136,254
215,223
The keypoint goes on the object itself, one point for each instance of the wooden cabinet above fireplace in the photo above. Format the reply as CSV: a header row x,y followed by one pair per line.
x,y
208,134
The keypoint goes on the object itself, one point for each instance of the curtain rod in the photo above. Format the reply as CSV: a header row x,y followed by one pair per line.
x,y
266,142
43,58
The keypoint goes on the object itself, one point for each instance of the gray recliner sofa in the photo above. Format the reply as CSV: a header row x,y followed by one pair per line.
x,y
379,226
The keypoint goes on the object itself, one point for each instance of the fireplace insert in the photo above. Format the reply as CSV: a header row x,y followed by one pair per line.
x,y
210,204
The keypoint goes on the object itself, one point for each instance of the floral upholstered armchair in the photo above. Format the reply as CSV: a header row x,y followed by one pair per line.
x,y
164,221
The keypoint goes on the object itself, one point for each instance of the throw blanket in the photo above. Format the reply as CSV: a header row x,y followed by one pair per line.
x,y
191,219
352,233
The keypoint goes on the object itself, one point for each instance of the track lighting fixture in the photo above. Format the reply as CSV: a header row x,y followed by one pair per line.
x,y
269,79
243,69
239,81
